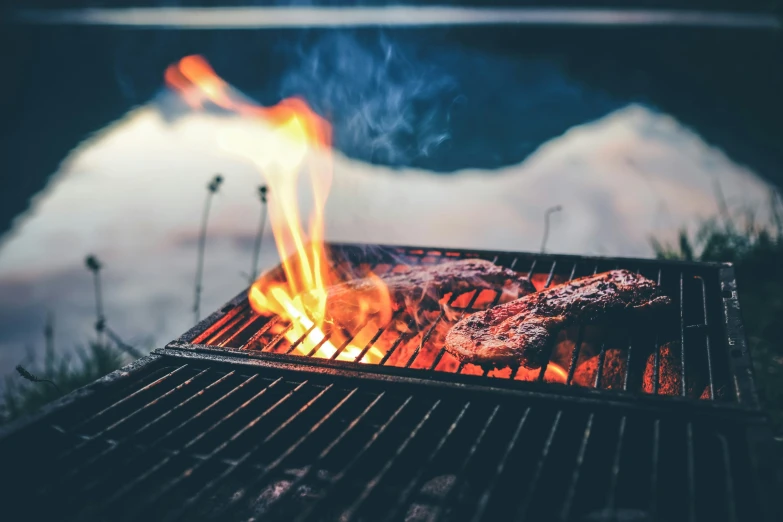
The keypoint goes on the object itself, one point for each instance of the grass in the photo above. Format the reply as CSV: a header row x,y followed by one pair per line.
x,y
22,396
757,254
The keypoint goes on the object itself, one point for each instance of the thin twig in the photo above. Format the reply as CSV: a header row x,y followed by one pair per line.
x,y
212,188
262,190
32,378
125,347
94,266
547,213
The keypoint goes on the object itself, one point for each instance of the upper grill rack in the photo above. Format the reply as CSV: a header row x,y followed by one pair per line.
x,y
703,332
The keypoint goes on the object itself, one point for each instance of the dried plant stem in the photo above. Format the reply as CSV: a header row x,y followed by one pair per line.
x,y
212,188
200,258
100,320
547,213
122,345
32,378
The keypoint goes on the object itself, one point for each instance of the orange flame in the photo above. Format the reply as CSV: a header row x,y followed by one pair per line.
x,y
289,139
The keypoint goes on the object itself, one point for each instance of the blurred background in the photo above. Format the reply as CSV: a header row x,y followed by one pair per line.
x,y
656,128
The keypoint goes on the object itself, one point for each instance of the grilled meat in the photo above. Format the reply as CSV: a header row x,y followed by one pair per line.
x,y
523,331
418,289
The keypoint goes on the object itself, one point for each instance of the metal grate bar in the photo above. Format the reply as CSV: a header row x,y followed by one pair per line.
x,y
338,478
403,336
731,507
550,275
683,390
228,325
213,404
126,399
460,474
152,403
575,355
150,471
628,365
279,337
544,366
238,495
349,513
301,338
256,337
148,425
371,342
691,473
92,460
656,449
522,512
707,336
416,480
253,317
599,372
327,451
531,269
580,457
327,337
616,465
657,354
189,472
484,500
628,356
431,329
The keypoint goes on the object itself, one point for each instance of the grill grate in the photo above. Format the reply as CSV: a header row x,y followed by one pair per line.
x,y
187,437
702,334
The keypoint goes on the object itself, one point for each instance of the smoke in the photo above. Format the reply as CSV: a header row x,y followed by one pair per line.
x,y
386,104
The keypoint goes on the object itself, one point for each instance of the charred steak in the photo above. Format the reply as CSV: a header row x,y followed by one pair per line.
x,y
420,288
522,331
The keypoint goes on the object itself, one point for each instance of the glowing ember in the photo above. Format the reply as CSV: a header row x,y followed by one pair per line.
x,y
286,141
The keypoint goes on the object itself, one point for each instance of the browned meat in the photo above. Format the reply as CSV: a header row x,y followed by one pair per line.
x,y
522,331
418,289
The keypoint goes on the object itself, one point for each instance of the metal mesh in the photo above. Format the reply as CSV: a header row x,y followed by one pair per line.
x,y
683,353
190,439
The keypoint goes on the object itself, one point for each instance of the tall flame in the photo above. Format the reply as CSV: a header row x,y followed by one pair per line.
x,y
289,139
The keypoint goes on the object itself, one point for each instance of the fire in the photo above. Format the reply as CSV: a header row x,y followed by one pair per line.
x,y
288,141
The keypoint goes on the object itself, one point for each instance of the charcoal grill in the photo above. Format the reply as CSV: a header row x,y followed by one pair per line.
x,y
227,423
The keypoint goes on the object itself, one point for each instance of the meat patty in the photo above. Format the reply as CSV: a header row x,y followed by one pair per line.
x,y
522,331
417,289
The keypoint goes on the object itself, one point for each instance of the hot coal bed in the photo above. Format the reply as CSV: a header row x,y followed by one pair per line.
x,y
657,420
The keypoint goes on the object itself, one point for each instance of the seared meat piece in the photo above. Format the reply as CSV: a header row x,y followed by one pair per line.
x,y
418,289
522,331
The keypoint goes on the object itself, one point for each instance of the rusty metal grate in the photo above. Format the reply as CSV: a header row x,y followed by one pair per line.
x,y
185,436
702,333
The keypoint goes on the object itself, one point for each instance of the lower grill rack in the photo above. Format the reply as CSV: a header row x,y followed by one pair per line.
x,y
200,438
